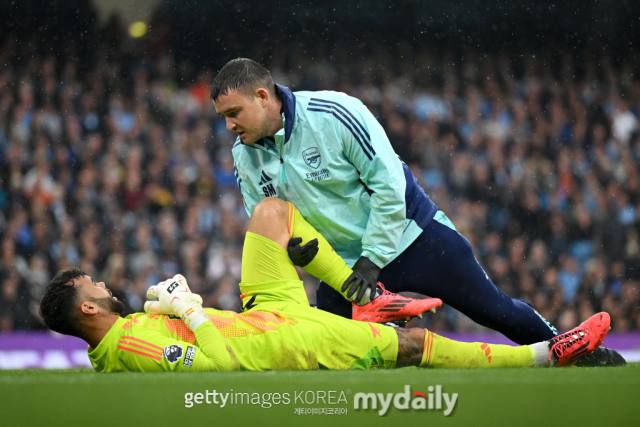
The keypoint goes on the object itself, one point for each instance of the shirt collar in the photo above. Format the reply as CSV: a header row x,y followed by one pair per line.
x,y
99,356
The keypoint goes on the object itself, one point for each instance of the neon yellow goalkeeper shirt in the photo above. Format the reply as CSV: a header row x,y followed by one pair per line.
x,y
231,341
285,336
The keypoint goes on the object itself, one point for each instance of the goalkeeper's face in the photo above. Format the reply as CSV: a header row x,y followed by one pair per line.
x,y
100,295
246,115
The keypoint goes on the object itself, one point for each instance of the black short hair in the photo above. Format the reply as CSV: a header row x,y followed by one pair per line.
x,y
57,306
241,74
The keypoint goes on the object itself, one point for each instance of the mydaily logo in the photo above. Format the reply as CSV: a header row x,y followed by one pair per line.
x,y
417,400
333,401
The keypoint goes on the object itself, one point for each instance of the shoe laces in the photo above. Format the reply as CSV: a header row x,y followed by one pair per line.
x,y
381,290
565,341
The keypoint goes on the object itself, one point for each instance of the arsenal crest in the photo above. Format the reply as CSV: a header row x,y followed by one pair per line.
x,y
312,157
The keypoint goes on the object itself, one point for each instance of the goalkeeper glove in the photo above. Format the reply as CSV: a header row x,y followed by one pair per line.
x,y
175,297
302,255
364,277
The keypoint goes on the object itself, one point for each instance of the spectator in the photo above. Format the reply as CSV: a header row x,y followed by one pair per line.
x,y
112,158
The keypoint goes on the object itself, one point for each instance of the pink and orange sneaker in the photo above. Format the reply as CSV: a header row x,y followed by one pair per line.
x,y
569,347
390,307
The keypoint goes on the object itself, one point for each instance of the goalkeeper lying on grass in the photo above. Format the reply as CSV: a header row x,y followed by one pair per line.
x,y
278,329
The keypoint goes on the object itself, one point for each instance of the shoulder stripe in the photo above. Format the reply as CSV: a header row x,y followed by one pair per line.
x,y
346,114
367,140
153,352
237,174
140,341
158,358
346,111
339,117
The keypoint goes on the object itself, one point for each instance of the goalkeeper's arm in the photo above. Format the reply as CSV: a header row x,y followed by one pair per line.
x,y
211,353
145,350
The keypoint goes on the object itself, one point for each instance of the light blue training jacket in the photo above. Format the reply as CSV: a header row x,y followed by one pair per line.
x,y
334,162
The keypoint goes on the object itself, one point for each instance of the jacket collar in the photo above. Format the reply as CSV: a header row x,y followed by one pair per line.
x,y
288,109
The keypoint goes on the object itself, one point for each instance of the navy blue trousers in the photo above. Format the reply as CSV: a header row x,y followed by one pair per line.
x,y
441,264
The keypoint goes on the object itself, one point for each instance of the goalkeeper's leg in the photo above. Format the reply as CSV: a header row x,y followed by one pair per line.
x,y
268,274
440,352
278,220
420,347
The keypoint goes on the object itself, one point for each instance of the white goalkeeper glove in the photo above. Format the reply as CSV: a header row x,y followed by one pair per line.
x,y
178,285
175,297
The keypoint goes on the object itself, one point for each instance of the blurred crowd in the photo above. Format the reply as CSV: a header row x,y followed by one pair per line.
x,y
113,159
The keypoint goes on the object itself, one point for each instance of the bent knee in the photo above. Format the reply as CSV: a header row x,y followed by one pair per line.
x,y
270,218
270,207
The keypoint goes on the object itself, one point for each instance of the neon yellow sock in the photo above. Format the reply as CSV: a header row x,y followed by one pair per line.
x,y
441,352
327,265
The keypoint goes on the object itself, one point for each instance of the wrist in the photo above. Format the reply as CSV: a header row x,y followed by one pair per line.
x,y
193,315
371,257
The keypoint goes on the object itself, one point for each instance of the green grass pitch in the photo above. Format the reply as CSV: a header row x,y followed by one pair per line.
x,y
513,397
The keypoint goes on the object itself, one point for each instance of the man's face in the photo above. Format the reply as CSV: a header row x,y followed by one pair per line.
x,y
245,115
99,294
